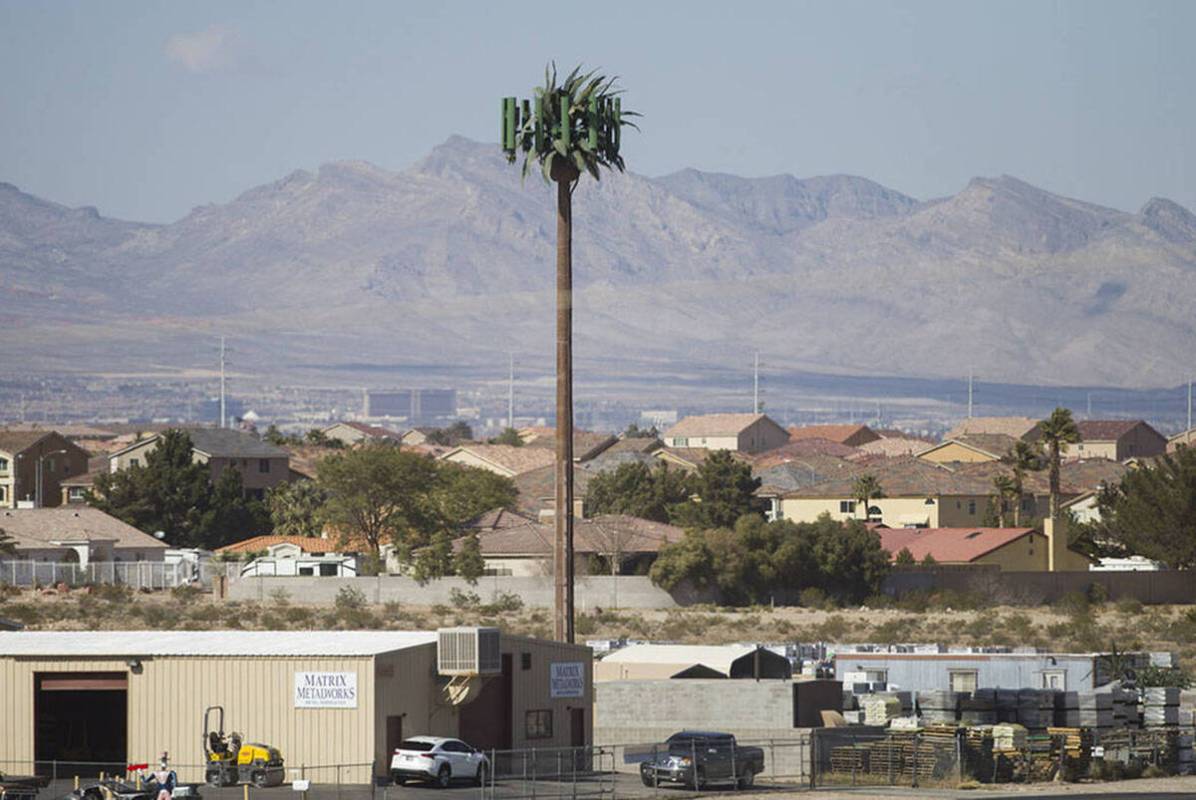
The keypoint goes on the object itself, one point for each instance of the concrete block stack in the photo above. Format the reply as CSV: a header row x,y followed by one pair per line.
x,y
979,709
1005,705
880,708
939,706
1035,708
1125,708
1009,737
1067,709
1160,706
1095,709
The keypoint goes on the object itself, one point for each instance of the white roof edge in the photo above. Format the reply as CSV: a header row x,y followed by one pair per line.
x,y
183,644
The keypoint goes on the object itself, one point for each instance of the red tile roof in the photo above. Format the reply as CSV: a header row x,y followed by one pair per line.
x,y
948,545
308,544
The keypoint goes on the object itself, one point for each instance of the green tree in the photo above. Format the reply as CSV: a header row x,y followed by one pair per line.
x,y
381,494
725,491
689,560
316,437
638,491
169,493
295,508
1056,432
468,562
231,515
435,560
461,493
1023,457
636,432
276,437
451,436
1151,512
929,561
8,545
865,489
1005,494
509,436
904,558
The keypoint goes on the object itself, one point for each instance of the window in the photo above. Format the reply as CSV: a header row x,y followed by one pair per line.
x,y
525,660
76,494
1054,679
49,465
453,746
1026,501
3,465
307,570
329,570
972,507
680,441
263,465
876,675
3,496
134,462
963,680
846,506
538,724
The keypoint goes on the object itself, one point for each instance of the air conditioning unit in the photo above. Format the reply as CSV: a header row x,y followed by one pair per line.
x,y
468,651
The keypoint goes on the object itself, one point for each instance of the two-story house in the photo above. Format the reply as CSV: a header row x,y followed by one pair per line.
x,y
33,463
1117,440
263,465
742,433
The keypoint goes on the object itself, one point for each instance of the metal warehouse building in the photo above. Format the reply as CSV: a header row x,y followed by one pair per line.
x,y
124,696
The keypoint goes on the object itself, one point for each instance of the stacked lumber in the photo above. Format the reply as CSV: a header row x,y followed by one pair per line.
x,y
853,759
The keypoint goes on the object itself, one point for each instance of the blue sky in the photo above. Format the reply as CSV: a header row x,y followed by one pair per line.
x,y
148,109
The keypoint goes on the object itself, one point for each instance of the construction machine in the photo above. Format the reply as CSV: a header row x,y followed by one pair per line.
x,y
230,760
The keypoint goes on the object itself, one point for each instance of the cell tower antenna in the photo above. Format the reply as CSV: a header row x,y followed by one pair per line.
x,y
511,391
222,418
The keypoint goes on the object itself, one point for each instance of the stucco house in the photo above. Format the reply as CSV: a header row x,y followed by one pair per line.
x,y
351,433
1117,440
77,535
263,465
1018,549
1025,428
850,434
294,556
33,464
743,433
502,459
1182,439
970,448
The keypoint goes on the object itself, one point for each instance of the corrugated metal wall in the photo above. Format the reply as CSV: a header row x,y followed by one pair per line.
x,y
167,700
531,689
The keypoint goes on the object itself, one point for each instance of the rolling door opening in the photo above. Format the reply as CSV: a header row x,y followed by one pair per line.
x,y
80,722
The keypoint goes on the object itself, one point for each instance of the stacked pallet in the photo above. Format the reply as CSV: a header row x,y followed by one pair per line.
x,y
1185,764
1042,758
853,759
1160,706
1095,710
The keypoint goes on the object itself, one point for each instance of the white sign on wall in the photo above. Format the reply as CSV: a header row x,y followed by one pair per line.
x,y
325,690
567,679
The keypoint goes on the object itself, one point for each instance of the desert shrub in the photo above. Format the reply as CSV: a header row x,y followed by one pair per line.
x,y
1019,626
1073,604
813,597
504,603
186,593
296,616
1129,606
833,628
349,598
585,625
113,592
901,629
1155,771
392,608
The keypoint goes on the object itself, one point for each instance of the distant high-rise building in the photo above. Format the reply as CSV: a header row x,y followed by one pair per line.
x,y
411,404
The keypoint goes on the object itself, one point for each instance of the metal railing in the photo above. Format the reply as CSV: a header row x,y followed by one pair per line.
x,y
134,574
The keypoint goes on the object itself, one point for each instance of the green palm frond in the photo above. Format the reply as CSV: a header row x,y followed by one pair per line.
x,y
577,121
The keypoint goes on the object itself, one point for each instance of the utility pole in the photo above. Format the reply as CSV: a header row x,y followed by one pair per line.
x,y
511,393
221,381
756,386
1189,428
1088,415
969,394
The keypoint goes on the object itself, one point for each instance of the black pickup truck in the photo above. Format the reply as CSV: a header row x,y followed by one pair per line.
x,y
701,758
22,787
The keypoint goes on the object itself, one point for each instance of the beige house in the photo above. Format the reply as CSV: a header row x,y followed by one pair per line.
x,y
503,459
76,535
1182,439
263,466
1010,549
351,433
33,464
321,697
1018,427
1117,440
651,662
743,433
970,448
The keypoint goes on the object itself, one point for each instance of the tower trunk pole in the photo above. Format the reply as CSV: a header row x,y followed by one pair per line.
x,y
563,511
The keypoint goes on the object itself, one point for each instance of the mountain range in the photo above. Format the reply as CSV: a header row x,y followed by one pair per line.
x,y
451,262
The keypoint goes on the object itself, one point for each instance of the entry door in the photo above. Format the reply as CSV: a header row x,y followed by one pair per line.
x,y
577,727
394,735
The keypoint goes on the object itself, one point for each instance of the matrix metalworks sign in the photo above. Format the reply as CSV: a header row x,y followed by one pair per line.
x,y
325,690
567,679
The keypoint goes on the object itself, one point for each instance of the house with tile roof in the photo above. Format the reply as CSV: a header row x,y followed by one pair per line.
x,y
626,544
891,447
502,459
803,448
77,535
295,556
262,465
33,464
691,458
1011,549
849,434
586,444
742,433
970,448
1018,427
1117,440
351,433
537,491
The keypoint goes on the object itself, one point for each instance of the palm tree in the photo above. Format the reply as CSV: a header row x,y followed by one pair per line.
x,y
866,489
1024,457
575,127
1057,431
1006,491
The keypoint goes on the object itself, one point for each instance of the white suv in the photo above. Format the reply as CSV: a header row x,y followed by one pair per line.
x,y
434,758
